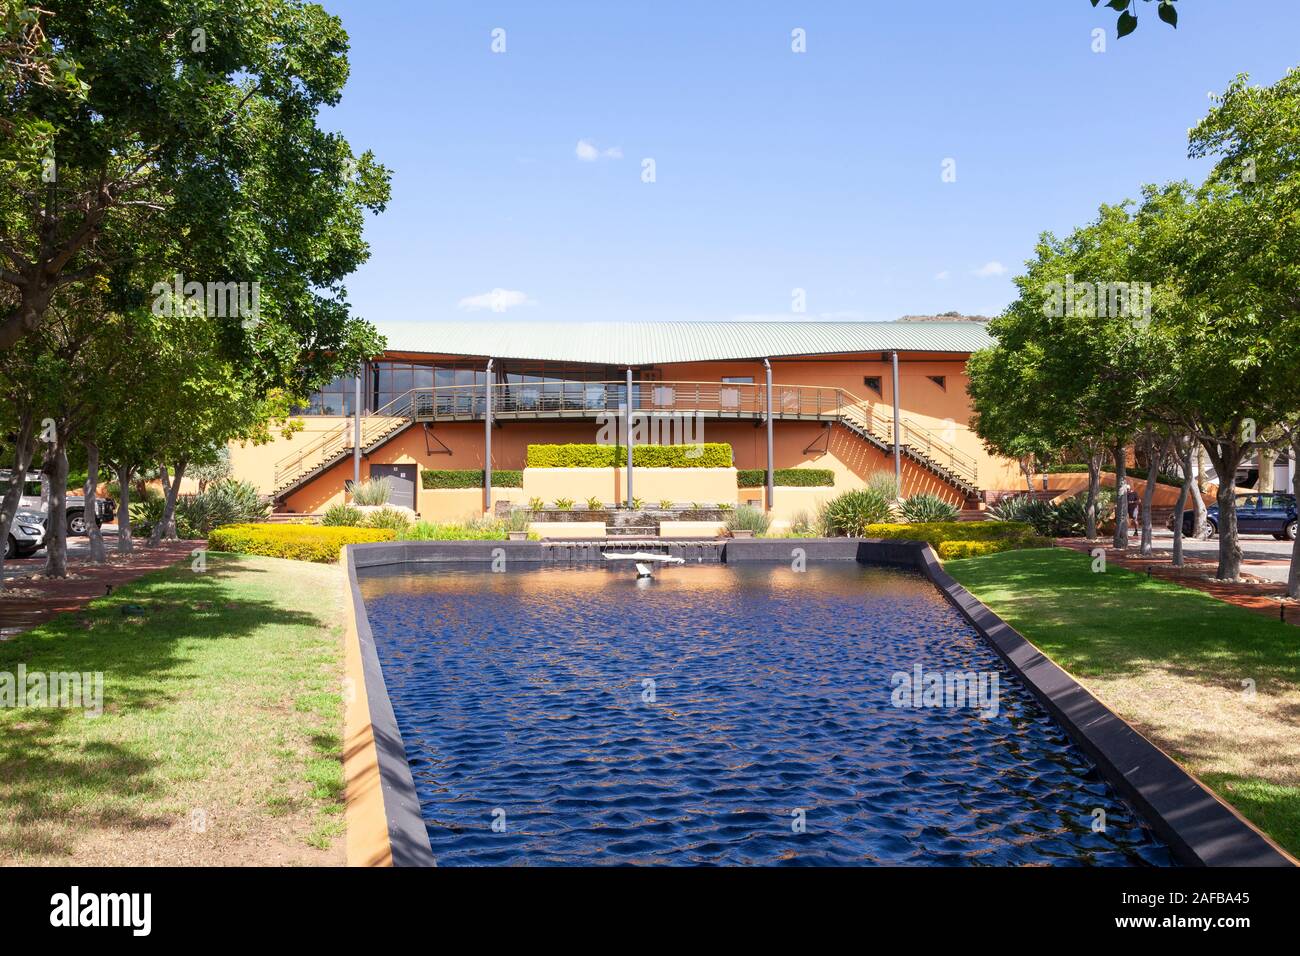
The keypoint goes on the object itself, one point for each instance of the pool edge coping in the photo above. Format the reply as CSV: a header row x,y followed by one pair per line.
x,y
380,792
1200,828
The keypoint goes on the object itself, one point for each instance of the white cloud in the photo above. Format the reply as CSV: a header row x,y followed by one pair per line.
x,y
989,270
498,300
941,276
588,152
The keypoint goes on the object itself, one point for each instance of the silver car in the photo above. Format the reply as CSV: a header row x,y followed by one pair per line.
x,y
26,535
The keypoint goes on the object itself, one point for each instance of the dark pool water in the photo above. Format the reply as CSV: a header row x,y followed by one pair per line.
x,y
523,702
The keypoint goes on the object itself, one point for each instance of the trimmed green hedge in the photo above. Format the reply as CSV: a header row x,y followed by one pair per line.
x,y
712,455
469,478
786,477
298,542
964,539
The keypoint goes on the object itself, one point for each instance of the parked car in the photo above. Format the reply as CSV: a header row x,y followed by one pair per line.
x,y
1257,513
36,496
26,535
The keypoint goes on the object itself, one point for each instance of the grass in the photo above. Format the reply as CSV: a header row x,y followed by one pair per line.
x,y
1216,686
221,737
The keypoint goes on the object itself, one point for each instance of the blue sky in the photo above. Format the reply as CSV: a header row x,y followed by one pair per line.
x,y
774,170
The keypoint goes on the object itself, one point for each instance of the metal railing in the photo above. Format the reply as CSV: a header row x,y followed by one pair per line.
x,y
516,400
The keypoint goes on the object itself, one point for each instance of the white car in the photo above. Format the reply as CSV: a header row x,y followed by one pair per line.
x,y
26,535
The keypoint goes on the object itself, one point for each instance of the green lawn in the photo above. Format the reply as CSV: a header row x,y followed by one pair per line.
x,y
220,740
1174,662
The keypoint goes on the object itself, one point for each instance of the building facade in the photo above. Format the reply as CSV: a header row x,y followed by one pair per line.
x,y
852,398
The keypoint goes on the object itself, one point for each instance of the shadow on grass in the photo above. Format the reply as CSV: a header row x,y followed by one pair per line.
x,y
75,776
1120,622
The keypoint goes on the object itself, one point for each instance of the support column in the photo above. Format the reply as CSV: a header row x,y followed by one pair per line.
x,y
356,429
898,448
771,476
487,439
627,495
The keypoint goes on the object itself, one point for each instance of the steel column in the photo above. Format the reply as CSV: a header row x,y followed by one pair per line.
x,y
898,450
487,439
630,441
356,430
771,475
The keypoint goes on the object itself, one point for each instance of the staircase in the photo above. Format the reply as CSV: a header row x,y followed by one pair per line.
x,y
330,448
929,451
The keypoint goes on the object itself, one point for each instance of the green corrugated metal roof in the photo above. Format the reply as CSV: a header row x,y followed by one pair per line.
x,y
646,343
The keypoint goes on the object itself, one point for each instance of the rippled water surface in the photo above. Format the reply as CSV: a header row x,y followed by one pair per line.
x,y
524,699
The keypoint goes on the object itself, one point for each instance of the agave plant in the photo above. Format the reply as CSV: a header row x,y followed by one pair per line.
x,y
849,513
926,507
1040,514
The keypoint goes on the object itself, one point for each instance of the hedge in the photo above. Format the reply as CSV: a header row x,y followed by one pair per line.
x,y
964,539
708,455
786,477
298,542
469,478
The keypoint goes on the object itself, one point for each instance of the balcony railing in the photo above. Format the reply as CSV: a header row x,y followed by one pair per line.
x,y
552,400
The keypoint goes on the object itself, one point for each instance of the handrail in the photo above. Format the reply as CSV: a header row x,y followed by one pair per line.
x,y
648,396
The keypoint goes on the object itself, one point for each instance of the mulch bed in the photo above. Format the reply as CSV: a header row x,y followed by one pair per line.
x,y
27,601
1254,594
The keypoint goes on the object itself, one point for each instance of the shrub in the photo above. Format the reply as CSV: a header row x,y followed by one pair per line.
x,y
748,518
536,504
389,518
342,516
849,513
1071,519
469,478
964,539
298,542
594,504
801,522
225,502
786,477
564,504
372,491
517,520
884,484
928,507
1040,514
665,504
707,455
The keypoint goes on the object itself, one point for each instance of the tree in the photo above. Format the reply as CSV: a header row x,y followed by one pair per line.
x,y
194,151
1128,20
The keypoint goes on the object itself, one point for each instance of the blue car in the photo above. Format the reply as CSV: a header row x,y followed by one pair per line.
x,y
1257,513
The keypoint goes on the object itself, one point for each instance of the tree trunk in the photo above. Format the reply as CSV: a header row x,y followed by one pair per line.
x,y
1156,451
1094,489
1266,458
167,526
1188,485
1121,499
1198,499
56,547
125,545
1293,577
1226,458
91,514
23,449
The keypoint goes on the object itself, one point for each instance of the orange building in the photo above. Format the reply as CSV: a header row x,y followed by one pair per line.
x,y
851,397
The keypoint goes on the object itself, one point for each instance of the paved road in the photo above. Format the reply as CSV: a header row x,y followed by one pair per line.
x,y
77,548
1254,547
